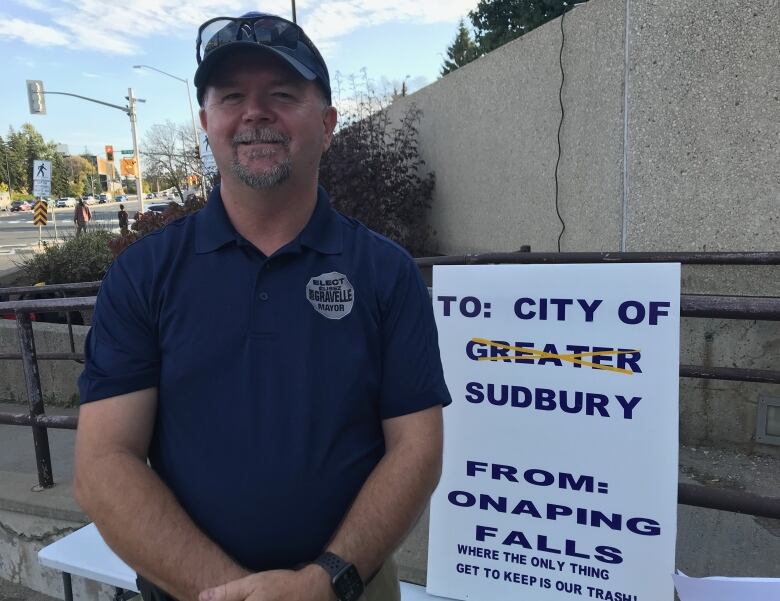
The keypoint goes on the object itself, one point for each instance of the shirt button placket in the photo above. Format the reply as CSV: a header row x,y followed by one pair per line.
x,y
263,319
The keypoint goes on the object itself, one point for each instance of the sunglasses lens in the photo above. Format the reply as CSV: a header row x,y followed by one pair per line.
x,y
274,32
216,34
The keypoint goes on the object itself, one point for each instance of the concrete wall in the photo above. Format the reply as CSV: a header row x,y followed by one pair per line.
x,y
704,125
670,141
489,131
31,520
688,94
58,378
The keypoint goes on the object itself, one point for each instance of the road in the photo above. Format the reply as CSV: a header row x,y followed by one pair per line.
x,y
18,235
17,230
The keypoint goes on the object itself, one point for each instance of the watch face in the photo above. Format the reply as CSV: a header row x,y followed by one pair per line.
x,y
348,585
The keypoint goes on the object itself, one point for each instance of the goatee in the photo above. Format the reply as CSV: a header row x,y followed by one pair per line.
x,y
259,180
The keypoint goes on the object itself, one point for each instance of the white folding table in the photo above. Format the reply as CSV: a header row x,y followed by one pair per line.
x,y
84,553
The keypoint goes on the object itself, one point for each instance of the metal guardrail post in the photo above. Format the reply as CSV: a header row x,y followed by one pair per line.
x,y
35,397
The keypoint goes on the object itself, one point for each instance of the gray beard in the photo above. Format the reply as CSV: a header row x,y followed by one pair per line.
x,y
266,179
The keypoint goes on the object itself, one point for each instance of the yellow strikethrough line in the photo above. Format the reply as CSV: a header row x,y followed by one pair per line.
x,y
530,353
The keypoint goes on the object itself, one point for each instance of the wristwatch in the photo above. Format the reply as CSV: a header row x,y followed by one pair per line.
x,y
344,577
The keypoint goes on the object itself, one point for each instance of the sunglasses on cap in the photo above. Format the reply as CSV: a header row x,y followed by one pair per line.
x,y
267,30
283,37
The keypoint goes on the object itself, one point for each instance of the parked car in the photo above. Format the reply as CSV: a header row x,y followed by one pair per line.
x,y
88,198
150,195
158,207
65,201
104,198
21,205
120,198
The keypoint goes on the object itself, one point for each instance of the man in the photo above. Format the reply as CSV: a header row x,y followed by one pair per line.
x,y
81,216
123,220
275,361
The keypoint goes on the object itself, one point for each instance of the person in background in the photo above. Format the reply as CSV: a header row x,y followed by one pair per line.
x,y
81,216
123,219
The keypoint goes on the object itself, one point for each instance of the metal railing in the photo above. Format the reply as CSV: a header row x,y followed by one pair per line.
x,y
691,305
18,294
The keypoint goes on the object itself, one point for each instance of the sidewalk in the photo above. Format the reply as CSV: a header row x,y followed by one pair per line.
x,y
8,267
13,592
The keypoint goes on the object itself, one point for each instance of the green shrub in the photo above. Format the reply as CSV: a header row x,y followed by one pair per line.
x,y
149,222
373,172
84,258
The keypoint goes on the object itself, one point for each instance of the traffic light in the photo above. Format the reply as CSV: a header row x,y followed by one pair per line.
x,y
35,97
110,154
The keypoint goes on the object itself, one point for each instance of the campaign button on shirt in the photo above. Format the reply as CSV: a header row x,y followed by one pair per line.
x,y
331,294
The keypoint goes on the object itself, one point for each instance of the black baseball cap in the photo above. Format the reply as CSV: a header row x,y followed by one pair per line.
x,y
266,33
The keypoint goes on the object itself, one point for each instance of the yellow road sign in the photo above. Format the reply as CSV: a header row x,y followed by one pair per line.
x,y
127,167
40,213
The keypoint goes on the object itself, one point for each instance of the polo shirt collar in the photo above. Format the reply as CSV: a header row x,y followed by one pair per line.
x,y
212,227
322,233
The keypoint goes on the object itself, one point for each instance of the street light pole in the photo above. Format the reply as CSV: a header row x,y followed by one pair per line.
x,y
130,112
192,116
8,168
139,184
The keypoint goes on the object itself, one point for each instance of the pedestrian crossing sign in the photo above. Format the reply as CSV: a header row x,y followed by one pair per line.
x,y
41,178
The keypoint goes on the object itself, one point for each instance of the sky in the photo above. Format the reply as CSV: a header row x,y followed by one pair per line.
x,y
89,47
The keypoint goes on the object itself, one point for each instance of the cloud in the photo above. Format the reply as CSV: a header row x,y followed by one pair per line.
x,y
120,28
90,75
333,19
31,33
40,5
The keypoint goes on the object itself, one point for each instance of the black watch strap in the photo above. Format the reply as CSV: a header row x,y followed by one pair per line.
x,y
344,577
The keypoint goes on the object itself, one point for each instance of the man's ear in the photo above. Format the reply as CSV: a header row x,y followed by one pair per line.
x,y
329,119
203,118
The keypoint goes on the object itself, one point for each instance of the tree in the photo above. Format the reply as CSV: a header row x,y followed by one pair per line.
x,y
461,51
497,22
70,175
22,147
170,155
79,171
10,167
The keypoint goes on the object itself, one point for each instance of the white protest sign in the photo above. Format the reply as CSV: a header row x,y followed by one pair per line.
x,y
206,156
560,446
41,178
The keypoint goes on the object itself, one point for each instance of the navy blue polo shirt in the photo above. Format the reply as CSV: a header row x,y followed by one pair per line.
x,y
274,373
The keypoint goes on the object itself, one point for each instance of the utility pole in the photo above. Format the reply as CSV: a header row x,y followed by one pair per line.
x,y
35,97
139,185
192,116
8,169
184,163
